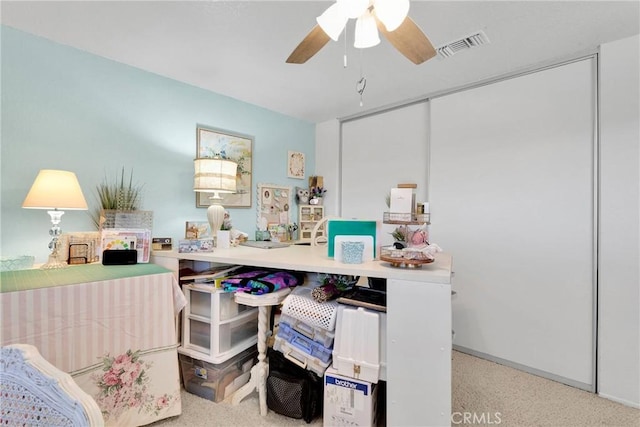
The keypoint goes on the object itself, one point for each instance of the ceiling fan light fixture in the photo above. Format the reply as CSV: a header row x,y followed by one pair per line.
x,y
366,33
332,21
391,12
353,8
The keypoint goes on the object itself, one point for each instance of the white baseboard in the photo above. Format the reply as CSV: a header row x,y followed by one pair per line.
x,y
618,400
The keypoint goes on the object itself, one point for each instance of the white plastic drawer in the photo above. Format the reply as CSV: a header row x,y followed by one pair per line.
x,y
228,307
233,333
200,303
200,333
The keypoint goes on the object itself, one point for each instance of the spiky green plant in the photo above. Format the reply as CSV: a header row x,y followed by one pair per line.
x,y
399,234
117,195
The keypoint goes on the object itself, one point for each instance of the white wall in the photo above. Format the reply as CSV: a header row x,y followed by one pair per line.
x,y
511,194
378,152
328,163
619,275
619,319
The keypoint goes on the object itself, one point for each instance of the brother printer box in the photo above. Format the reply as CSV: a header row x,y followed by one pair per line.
x,y
349,401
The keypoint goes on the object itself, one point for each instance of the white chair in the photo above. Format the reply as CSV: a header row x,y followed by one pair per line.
x,y
36,393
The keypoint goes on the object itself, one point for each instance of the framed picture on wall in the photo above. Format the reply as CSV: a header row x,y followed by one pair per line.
x,y
212,142
295,165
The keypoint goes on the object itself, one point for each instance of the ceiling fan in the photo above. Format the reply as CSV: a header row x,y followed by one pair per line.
x,y
389,17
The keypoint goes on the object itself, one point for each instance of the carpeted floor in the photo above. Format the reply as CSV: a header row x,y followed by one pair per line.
x,y
483,394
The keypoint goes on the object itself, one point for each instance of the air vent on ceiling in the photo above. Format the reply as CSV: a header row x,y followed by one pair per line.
x,y
449,49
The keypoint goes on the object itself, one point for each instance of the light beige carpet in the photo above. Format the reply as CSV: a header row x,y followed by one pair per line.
x,y
483,394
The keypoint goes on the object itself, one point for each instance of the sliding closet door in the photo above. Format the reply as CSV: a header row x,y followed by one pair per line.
x,y
512,199
378,152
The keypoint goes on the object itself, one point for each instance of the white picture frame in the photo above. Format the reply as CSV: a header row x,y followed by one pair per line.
x,y
295,165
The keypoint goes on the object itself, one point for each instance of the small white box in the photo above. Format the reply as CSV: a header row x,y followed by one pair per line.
x,y
348,402
401,200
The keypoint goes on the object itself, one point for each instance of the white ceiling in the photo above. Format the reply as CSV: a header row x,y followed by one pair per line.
x,y
239,49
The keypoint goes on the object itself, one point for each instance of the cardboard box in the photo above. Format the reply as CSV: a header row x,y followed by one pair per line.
x,y
349,402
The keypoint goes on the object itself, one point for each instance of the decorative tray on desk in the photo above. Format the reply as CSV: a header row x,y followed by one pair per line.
x,y
406,258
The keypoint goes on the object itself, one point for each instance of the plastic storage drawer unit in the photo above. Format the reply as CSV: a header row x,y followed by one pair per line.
x,y
303,343
316,334
299,357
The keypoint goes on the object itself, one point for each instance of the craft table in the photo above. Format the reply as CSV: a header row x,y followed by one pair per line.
x,y
418,321
112,328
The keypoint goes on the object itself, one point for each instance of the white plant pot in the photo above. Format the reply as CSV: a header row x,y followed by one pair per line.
x,y
223,239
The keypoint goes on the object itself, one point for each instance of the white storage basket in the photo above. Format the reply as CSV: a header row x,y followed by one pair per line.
x,y
300,304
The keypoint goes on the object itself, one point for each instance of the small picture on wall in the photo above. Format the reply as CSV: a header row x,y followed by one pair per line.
x,y
295,165
267,196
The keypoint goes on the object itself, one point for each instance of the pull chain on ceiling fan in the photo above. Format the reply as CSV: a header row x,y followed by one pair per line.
x,y
389,17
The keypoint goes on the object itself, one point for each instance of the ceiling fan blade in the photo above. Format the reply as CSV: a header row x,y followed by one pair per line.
x,y
410,41
309,46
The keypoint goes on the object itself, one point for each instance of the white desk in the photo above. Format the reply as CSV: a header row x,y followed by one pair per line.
x,y
418,322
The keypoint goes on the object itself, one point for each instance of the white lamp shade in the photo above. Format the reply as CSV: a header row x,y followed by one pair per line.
x,y
391,12
55,189
213,175
366,34
333,21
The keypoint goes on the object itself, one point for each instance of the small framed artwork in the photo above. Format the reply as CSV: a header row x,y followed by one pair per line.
x,y
211,142
197,230
295,165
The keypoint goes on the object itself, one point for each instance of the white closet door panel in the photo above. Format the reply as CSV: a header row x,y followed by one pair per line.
x,y
378,152
512,199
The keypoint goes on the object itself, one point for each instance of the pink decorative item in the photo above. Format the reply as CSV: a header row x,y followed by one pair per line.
x,y
419,237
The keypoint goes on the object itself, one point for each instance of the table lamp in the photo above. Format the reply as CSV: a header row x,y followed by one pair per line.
x,y
56,191
215,175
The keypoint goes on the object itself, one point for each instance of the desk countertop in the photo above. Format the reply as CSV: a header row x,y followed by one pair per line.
x,y
315,259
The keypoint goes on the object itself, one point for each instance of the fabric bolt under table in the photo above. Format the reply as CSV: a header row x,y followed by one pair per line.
x,y
112,329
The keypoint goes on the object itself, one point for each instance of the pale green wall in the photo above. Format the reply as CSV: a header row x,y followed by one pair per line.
x,y
66,109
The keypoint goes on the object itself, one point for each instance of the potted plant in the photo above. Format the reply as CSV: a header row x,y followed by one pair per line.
x,y
118,195
316,194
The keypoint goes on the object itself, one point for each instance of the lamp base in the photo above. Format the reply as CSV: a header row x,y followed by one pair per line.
x,y
54,263
215,215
